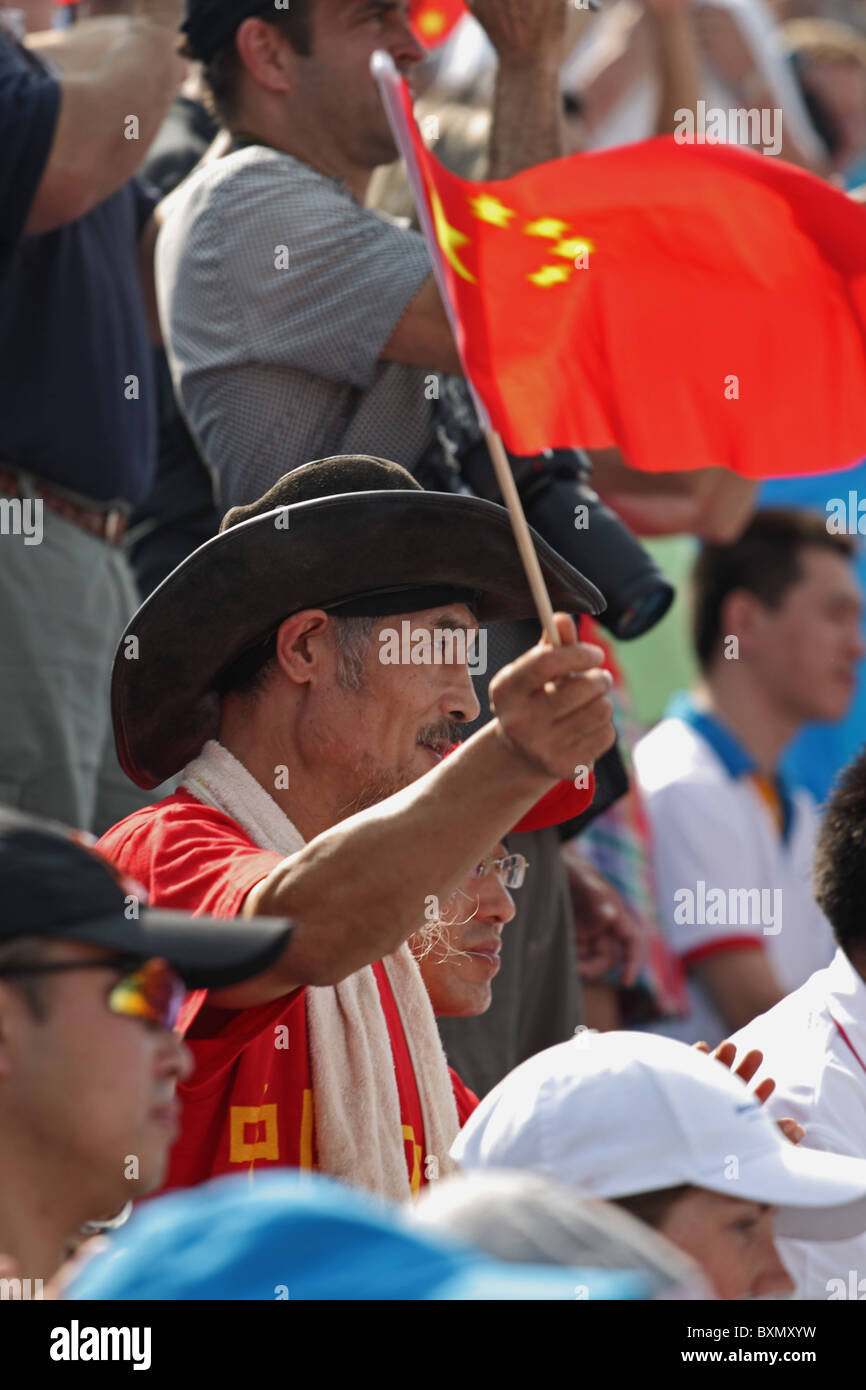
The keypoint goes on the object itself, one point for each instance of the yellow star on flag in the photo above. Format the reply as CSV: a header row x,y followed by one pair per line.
x,y
450,238
552,227
431,23
550,275
488,208
572,248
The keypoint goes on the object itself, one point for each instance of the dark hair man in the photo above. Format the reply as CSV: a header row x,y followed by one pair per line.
x,y
814,1041
777,632
91,984
286,301
321,314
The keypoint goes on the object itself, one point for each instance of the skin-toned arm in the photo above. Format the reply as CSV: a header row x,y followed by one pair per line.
x,y
75,50
529,37
758,93
722,40
677,59
91,156
740,983
621,60
711,503
422,336
359,890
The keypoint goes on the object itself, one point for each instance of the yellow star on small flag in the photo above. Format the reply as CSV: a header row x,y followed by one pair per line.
x,y
552,227
488,208
431,23
573,247
550,275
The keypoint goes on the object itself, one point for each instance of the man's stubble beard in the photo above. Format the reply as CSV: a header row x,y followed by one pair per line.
x,y
377,785
375,788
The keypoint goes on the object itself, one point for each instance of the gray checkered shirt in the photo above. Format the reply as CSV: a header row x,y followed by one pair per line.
x,y
275,364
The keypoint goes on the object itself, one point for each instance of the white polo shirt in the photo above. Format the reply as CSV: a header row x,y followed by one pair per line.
x,y
814,1046
725,875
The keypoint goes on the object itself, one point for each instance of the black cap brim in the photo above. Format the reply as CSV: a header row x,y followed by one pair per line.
x,y
207,952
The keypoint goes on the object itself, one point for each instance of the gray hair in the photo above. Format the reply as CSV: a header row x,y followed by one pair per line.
x,y
250,673
352,636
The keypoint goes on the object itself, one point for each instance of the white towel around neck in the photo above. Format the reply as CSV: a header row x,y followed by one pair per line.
x,y
359,1130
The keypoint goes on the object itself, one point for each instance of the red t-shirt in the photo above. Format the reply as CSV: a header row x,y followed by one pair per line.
x,y
249,1103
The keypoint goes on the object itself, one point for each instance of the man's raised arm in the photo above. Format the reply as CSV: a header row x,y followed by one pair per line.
x,y
359,890
528,36
92,154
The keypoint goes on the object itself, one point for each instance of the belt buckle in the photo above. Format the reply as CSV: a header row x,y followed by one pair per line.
x,y
115,525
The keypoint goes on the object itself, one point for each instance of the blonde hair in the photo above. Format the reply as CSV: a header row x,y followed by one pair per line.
x,y
828,39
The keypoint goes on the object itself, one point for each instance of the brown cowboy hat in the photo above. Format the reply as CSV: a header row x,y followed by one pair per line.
x,y
348,534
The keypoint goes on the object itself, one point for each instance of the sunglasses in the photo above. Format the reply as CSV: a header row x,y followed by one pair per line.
x,y
511,870
150,990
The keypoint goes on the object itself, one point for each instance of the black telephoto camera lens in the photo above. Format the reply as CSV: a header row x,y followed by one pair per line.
x,y
561,505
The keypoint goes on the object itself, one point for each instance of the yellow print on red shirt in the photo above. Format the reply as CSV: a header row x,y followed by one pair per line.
x,y
262,1143
415,1180
254,1134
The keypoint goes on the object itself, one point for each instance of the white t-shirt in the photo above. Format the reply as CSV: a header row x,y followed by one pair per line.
x,y
725,877
820,1081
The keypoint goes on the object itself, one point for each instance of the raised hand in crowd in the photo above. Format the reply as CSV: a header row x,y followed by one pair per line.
x,y
551,713
109,71
608,936
748,1066
529,37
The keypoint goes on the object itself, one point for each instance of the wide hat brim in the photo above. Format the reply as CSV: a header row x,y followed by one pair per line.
x,y
237,588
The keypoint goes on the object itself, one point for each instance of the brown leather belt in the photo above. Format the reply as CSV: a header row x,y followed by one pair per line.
x,y
108,522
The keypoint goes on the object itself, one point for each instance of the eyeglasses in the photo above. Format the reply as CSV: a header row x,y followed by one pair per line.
x,y
151,990
511,871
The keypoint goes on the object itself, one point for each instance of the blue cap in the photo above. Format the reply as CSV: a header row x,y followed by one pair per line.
x,y
302,1238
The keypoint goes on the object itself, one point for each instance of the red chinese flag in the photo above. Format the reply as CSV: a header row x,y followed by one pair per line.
x,y
434,20
695,305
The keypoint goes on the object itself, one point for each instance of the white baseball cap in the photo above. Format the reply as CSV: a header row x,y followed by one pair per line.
x,y
616,1114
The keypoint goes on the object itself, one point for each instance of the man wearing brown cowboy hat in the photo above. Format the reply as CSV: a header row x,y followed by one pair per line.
x,y
256,669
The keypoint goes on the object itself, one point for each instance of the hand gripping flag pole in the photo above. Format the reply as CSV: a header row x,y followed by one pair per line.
x,y
395,97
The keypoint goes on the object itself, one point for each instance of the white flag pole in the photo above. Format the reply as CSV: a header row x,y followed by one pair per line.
x,y
391,88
